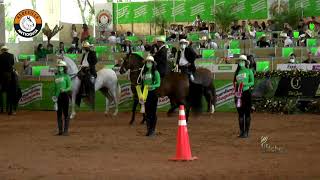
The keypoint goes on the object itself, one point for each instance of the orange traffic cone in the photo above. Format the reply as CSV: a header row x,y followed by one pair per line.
x,y
183,151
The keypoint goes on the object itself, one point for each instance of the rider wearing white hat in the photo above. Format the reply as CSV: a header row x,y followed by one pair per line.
x,y
151,78
61,97
186,58
87,73
161,56
243,81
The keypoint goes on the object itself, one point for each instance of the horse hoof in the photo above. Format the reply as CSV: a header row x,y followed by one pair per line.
x,y
212,110
115,114
72,116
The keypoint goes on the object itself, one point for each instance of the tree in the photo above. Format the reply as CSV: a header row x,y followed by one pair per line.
x,y
50,33
83,4
291,17
223,18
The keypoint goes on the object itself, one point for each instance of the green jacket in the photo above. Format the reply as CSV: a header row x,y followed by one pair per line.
x,y
62,84
41,54
246,77
147,80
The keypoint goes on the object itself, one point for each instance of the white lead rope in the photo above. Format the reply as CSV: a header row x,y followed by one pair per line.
x,y
140,75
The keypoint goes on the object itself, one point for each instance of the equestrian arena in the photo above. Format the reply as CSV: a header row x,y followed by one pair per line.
x,y
101,147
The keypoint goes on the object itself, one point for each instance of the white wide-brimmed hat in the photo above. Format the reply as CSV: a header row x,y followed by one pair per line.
x,y
243,58
151,59
161,39
86,44
184,41
62,63
4,48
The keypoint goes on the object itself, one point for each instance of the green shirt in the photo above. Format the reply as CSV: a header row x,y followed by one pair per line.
x,y
147,80
62,84
41,54
246,77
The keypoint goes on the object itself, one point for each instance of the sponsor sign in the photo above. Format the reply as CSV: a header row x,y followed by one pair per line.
x,y
302,67
27,23
225,94
31,94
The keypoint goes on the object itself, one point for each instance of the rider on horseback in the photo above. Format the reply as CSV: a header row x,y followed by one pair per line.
x,y
186,58
87,73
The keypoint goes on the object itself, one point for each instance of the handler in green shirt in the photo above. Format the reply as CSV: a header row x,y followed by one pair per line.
x,y
62,88
151,78
243,82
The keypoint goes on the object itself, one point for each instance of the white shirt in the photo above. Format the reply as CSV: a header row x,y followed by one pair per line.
x,y
112,39
183,61
288,42
213,45
85,60
74,34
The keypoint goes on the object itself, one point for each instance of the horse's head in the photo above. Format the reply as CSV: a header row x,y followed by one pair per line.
x,y
131,61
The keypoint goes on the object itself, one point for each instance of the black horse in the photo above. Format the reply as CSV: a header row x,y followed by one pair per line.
x,y
10,86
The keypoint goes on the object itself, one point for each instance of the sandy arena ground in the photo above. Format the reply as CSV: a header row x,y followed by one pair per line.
x,y
108,148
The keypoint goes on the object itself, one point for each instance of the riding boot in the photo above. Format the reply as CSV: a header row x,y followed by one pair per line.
x,y
153,127
66,127
247,122
241,125
148,127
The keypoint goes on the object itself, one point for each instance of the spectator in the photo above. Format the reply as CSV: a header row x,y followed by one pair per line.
x,y
74,49
40,53
197,22
61,49
127,48
287,40
112,39
235,28
49,49
292,59
263,26
287,29
27,69
203,42
85,35
212,44
74,34
257,26
140,46
262,43
309,59
271,26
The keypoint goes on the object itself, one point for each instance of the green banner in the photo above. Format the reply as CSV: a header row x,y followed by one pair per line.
x,y
184,11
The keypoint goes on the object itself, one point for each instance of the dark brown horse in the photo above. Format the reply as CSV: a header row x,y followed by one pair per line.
x,y
174,85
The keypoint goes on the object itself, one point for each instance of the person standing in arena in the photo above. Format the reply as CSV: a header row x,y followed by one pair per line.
x,y
151,78
243,81
61,97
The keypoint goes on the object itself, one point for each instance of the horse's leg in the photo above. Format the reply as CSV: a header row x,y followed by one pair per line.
x,y
75,89
134,107
1,101
173,106
115,93
106,112
143,118
208,96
